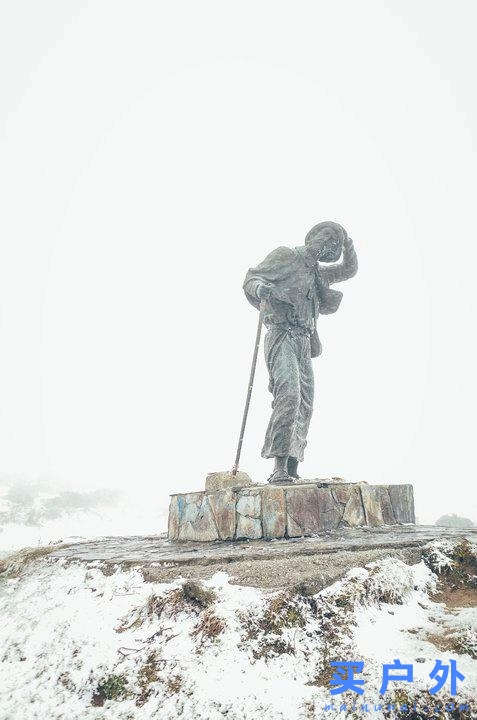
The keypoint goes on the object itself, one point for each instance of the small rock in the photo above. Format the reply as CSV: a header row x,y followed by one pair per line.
x,y
224,480
420,660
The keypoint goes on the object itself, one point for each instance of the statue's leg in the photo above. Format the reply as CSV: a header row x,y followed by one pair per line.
x,y
280,471
306,403
292,467
283,366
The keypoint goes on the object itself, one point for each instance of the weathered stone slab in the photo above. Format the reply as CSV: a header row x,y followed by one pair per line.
x,y
173,521
300,519
224,510
248,528
274,512
313,508
372,505
172,559
249,503
386,505
353,515
294,510
196,521
341,493
402,500
249,507
293,529
224,480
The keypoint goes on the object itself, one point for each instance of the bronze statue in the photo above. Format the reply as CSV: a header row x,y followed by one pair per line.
x,y
291,288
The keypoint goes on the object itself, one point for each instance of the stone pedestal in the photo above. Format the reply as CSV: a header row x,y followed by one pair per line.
x,y
271,511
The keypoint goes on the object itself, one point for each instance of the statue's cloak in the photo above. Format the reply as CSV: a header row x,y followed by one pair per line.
x,y
280,268
289,270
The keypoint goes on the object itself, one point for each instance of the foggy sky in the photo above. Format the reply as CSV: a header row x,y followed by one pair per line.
x,y
151,152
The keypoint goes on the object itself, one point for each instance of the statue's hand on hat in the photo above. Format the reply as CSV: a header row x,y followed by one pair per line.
x,y
264,291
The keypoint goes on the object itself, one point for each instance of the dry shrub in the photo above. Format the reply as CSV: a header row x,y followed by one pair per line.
x,y
270,647
188,596
209,627
336,621
388,581
456,568
463,642
12,565
196,595
174,684
465,553
66,681
284,611
147,676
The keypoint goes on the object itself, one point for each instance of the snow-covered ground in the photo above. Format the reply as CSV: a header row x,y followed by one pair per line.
x,y
79,643
39,513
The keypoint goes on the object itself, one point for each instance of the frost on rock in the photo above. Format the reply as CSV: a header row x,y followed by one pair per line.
x,y
77,642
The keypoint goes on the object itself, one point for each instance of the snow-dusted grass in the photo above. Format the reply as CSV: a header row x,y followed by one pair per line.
x,y
76,643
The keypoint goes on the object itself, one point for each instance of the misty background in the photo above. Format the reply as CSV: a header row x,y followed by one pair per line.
x,y
150,153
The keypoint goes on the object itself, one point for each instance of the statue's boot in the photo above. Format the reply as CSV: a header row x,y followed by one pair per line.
x,y
292,467
280,477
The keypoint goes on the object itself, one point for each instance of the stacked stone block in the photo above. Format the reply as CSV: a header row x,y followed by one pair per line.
x,y
271,511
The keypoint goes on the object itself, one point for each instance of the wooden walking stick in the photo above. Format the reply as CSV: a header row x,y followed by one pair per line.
x,y
249,390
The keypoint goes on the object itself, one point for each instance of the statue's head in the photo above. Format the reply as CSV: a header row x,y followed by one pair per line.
x,y
326,241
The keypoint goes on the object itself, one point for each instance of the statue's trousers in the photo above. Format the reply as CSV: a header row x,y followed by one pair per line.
x,y
288,358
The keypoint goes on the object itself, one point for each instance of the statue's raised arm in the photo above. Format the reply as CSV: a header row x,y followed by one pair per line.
x,y
344,269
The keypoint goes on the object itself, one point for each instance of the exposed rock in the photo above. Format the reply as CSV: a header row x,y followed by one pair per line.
x,y
248,527
249,505
224,480
323,482
386,505
293,529
173,522
223,507
341,493
197,520
353,515
402,499
299,500
170,558
294,510
274,512
313,508
372,505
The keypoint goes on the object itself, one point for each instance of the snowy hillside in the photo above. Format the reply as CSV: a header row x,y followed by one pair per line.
x,y
37,513
78,642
